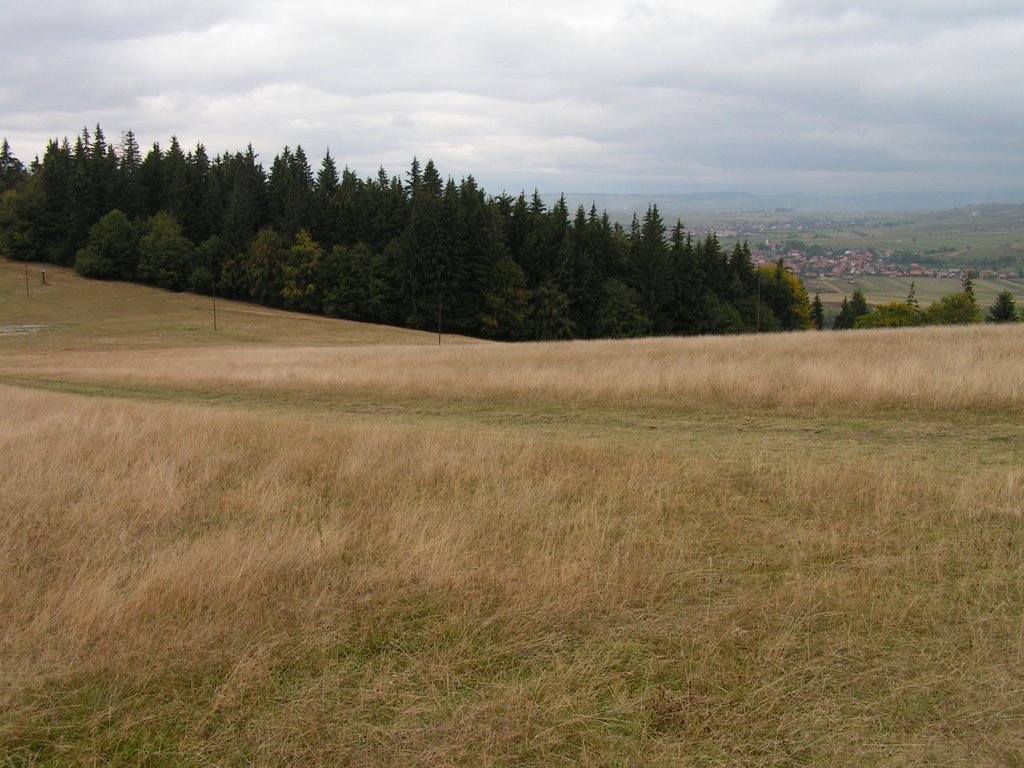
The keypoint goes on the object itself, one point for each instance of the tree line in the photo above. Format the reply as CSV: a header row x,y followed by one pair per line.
x,y
402,250
958,308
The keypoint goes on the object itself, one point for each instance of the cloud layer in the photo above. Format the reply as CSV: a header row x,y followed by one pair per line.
x,y
762,95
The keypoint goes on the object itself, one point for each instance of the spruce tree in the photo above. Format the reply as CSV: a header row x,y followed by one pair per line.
x,y
912,298
1004,310
852,308
246,199
150,180
198,224
652,274
843,320
127,195
53,233
12,171
689,282
176,199
818,313
324,213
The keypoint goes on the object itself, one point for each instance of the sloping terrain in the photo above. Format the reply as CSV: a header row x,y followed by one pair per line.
x,y
319,543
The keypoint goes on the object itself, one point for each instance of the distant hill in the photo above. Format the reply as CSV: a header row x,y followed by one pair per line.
x,y
622,207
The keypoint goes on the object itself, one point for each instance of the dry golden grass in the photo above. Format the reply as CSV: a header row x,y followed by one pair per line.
x,y
71,312
189,586
149,338
791,550
929,368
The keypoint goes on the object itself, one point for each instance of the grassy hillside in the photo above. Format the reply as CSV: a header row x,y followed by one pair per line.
x,y
71,312
801,549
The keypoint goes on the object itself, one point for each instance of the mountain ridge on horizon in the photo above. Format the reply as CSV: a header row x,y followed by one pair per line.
x,y
738,201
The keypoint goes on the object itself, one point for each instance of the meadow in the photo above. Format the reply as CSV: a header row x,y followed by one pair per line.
x,y
300,541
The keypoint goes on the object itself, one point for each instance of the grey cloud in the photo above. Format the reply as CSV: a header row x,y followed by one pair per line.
x,y
919,12
669,94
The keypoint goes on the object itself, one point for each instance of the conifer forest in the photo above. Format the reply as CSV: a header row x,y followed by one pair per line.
x,y
417,250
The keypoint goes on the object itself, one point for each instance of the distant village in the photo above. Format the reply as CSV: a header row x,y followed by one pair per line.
x,y
816,262
821,264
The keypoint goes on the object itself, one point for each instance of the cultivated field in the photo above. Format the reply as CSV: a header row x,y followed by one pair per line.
x,y
884,290
308,542
977,236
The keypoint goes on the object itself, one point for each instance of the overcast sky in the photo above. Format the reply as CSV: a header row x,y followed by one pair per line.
x,y
810,96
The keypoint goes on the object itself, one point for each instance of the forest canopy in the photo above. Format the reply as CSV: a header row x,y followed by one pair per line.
x,y
402,250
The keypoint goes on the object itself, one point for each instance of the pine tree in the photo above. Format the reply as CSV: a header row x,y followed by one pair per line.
x,y
482,244
519,229
843,320
176,199
415,178
350,283
151,183
619,313
818,313
420,258
689,282
127,196
852,308
742,292
454,288
83,211
324,212
198,224
912,298
348,222
577,273
967,284
505,304
12,170
550,313
652,273
1004,310
279,190
53,233
103,167
546,231
246,199
786,297
858,304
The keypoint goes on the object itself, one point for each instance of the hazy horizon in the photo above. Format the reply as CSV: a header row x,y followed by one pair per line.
x,y
822,98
